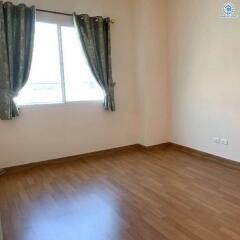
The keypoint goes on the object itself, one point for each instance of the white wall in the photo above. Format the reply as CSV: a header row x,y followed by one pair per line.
x,y
151,43
176,64
48,132
53,131
204,53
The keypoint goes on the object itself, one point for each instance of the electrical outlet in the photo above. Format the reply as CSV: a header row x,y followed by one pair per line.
x,y
224,141
217,140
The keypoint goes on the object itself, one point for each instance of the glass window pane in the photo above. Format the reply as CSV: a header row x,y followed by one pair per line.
x,y
44,83
80,84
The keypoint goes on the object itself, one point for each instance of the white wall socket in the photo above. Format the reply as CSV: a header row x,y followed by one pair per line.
x,y
224,141
217,140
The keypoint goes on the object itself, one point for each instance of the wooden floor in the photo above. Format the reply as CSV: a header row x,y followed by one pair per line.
x,y
129,195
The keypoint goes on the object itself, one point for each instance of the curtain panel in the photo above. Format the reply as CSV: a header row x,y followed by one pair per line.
x,y
17,25
95,38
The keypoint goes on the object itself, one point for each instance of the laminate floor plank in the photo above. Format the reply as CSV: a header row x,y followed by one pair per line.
x,y
134,194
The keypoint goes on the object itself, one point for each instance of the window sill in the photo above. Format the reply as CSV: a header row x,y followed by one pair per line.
x,y
70,103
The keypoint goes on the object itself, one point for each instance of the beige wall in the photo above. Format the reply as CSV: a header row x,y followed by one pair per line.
x,y
177,70
47,132
204,53
151,25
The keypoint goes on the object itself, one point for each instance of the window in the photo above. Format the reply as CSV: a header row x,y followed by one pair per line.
x,y
75,65
59,71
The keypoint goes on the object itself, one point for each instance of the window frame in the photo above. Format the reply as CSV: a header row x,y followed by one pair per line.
x,y
61,62
60,21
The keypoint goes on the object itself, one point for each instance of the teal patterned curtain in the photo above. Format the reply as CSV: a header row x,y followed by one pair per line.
x,y
94,33
17,24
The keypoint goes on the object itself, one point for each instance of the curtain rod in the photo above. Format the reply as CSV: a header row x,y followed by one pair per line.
x,y
62,13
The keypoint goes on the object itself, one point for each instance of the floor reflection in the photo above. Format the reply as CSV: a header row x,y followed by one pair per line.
x,y
89,216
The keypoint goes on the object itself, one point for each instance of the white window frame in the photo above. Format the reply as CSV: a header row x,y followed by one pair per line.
x,y
62,75
60,21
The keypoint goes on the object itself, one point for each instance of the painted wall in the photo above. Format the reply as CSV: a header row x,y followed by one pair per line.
x,y
176,64
48,132
204,71
151,43
53,131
